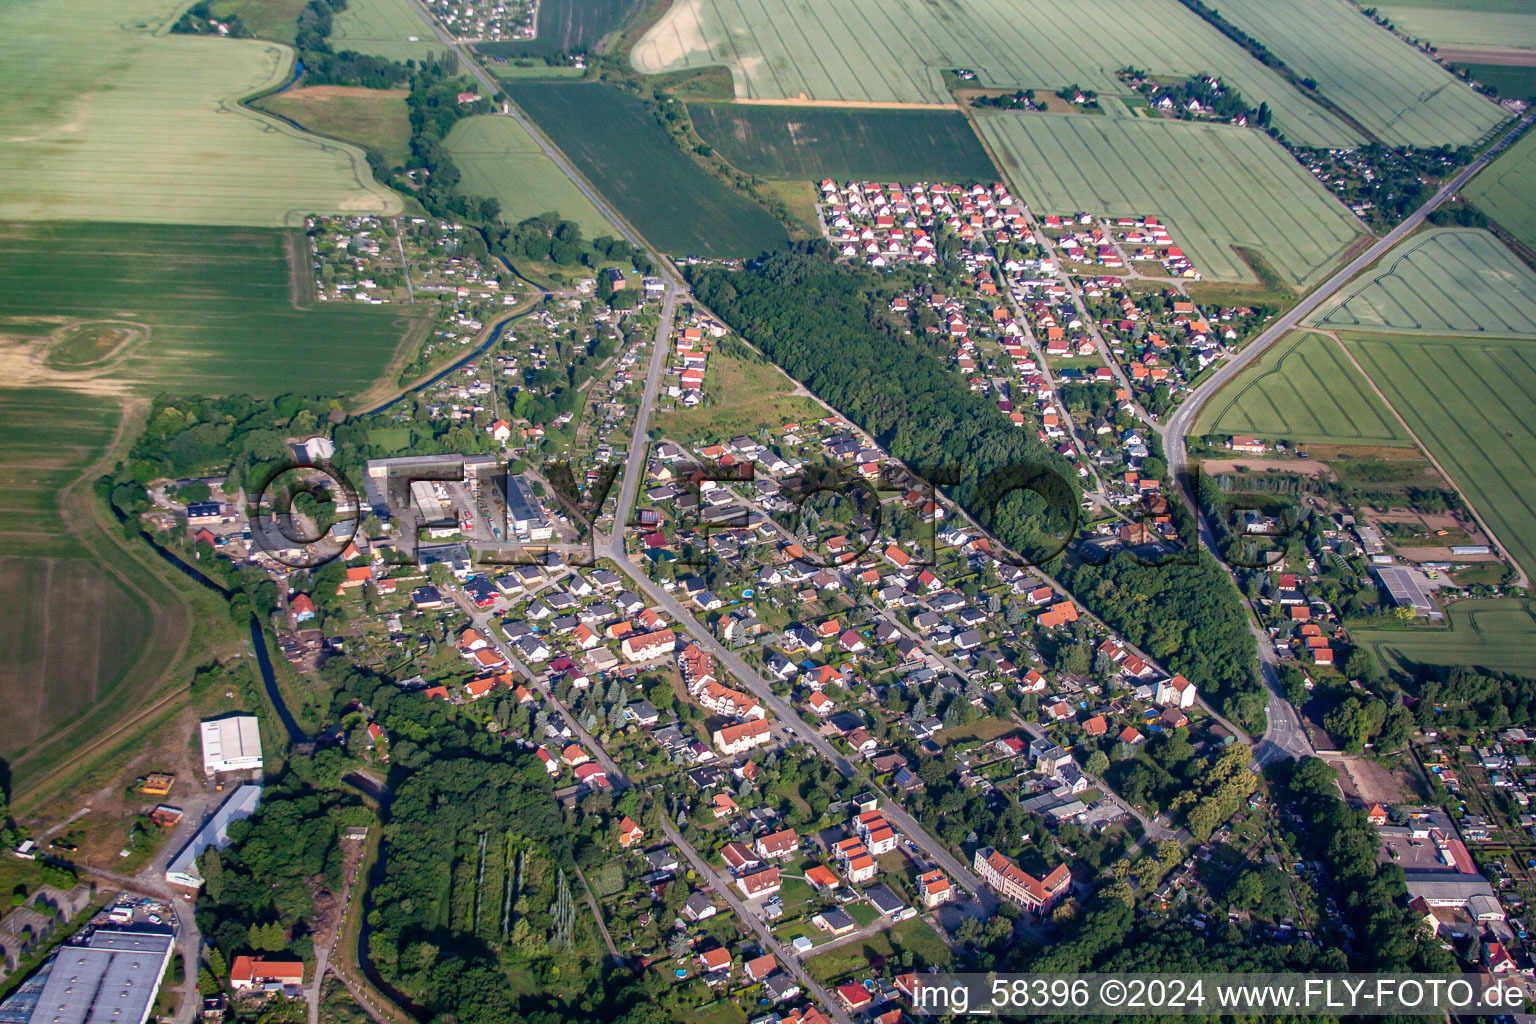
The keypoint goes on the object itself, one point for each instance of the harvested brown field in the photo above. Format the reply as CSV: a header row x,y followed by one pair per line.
x,y
86,632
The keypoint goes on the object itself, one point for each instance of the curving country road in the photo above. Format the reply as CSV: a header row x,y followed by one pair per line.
x,y
1285,736
1183,419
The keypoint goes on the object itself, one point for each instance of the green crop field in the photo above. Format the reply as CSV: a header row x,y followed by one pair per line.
x,y
811,143
1216,186
392,29
217,307
1303,389
1396,91
73,629
50,436
1503,190
1498,634
616,143
1476,23
498,158
1513,82
1447,281
372,118
897,51
566,26
1472,402
108,117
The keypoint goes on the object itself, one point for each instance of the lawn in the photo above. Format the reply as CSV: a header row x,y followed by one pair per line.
x,y
1216,187
567,26
1504,188
1394,90
496,157
270,19
1498,634
986,729
216,307
741,397
898,51
1303,389
1448,281
392,29
925,943
853,961
111,118
375,119
811,143
617,145
514,71
1470,401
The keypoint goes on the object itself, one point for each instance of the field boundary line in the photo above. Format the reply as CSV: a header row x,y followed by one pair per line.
x,y
835,104
1524,580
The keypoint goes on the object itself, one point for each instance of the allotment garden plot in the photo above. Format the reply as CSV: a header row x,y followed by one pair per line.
x,y
565,26
1305,390
1395,91
1470,401
1448,281
1216,186
810,143
1503,190
497,157
220,310
104,119
897,51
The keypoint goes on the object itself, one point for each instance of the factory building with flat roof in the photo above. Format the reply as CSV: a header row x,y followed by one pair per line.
x,y
524,512
242,803
115,977
231,744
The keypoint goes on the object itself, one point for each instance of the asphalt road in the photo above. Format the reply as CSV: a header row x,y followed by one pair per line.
x,y
1285,737
1183,419
789,720
770,943
485,623
639,448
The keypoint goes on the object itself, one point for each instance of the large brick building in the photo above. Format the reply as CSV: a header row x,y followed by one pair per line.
x,y
1014,883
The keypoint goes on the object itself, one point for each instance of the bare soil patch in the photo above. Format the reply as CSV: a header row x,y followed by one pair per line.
x,y
328,92
1368,782
1305,467
1432,554
1508,57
